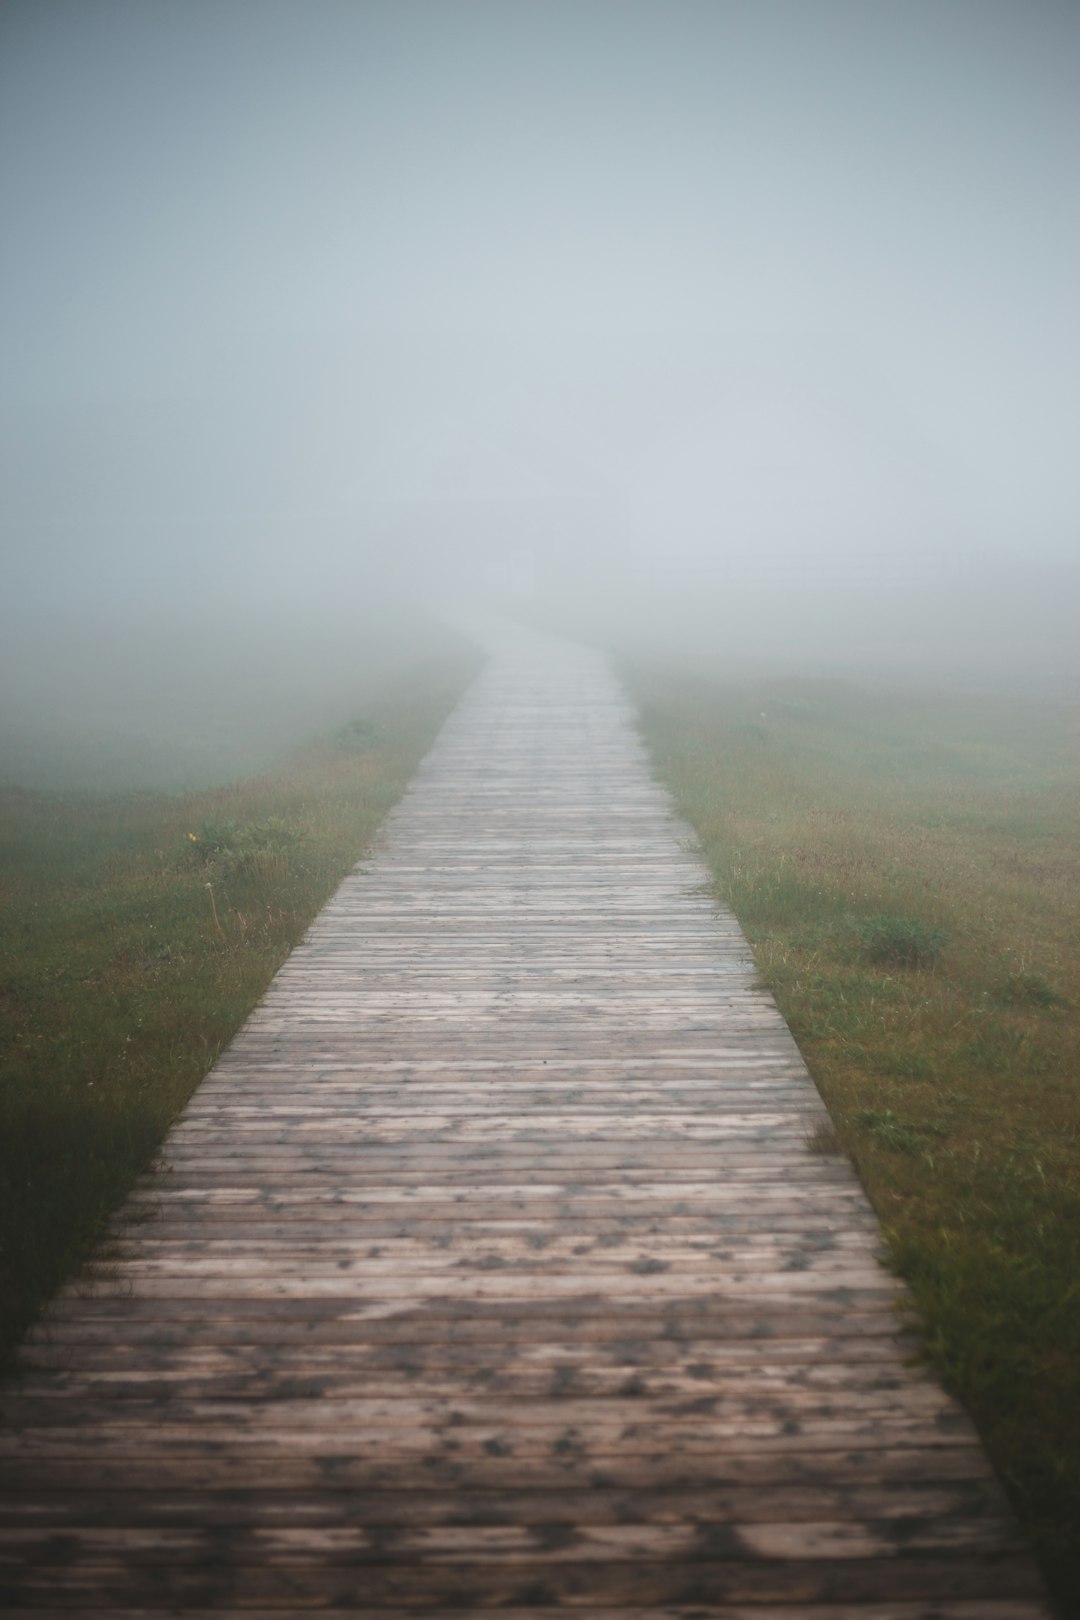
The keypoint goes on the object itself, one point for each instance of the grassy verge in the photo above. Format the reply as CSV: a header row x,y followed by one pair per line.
x,y
906,869
136,934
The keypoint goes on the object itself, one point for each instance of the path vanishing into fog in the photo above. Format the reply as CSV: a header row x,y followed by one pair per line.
x,y
490,1267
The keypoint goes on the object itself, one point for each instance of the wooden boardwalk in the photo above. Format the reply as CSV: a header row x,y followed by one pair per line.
x,y
490,1267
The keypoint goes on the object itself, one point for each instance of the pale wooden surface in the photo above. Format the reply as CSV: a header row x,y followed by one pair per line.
x,y
489,1268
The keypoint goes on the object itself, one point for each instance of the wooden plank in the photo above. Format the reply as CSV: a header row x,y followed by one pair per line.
x,y
744,1504
534,1583
559,1540
962,1609
216,1469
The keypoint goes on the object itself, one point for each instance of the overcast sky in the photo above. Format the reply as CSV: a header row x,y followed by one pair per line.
x,y
293,289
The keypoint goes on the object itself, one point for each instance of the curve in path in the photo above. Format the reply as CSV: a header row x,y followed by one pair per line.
x,y
490,1267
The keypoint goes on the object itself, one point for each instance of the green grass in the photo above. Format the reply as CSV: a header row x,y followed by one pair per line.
x,y
907,868
131,951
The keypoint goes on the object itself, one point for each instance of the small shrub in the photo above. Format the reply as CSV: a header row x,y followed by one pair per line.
x,y
1030,990
356,736
906,942
213,839
261,848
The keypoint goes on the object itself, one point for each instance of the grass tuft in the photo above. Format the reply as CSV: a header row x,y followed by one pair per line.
x,y
1030,990
901,942
267,849
359,734
897,1134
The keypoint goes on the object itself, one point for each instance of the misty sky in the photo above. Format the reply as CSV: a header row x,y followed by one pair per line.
x,y
309,291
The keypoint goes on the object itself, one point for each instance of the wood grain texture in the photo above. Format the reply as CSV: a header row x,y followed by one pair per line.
x,y
490,1268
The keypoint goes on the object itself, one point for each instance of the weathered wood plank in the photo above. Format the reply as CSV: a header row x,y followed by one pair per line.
x,y
962,1609
535,1584
744,1504
245,1469
557,1540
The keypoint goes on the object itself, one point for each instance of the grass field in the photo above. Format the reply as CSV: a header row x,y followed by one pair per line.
x,y
906,867
136,933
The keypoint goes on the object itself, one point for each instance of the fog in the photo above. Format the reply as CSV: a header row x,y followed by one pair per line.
x,y
750,324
